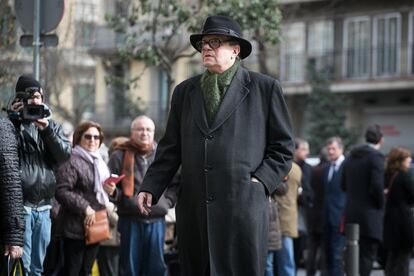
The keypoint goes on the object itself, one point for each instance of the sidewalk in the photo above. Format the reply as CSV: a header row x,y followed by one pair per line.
x,y
376,272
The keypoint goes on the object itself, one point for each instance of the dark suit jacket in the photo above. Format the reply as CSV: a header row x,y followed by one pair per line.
x,y
363,181
335,198
222,217
315,223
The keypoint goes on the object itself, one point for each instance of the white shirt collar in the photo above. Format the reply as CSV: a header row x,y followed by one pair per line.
x,y
339,161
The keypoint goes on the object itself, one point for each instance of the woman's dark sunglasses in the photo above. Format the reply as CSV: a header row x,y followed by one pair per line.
x,y
89,137
214,43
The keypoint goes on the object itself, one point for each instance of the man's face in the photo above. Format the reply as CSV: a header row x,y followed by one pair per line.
x,y
142,132
36,98
302,152
220,59
334,151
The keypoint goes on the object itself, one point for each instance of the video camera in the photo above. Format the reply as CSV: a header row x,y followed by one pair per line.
x,y
29,112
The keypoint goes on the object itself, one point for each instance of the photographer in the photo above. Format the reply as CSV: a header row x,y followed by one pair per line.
x,y
42,147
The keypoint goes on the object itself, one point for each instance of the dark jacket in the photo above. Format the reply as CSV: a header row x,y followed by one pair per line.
x,y
75,191
315,222
41,152
363,182
11,198
128,207
222,216
399,220
305,199
334,198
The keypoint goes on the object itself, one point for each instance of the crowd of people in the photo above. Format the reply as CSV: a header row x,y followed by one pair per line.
x,y
246,200
357,188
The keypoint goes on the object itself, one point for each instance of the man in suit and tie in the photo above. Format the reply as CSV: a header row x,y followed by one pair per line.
x,y
334,204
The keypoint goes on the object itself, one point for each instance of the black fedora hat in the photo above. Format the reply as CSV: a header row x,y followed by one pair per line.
x,y
223,25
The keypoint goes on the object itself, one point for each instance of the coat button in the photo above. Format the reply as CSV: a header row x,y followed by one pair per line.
x,y
210,199
209,137
207,169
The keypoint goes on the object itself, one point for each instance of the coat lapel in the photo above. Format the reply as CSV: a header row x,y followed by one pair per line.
x,y
197,107
235,94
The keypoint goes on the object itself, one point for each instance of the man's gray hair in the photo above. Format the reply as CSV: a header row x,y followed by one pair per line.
x,y
336,139
140,117
299,142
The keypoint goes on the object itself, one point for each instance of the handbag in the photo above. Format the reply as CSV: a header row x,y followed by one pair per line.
x,y
12,267
99,231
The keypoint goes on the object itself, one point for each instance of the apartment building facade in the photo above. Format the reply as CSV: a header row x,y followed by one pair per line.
x,y
67,71
367,48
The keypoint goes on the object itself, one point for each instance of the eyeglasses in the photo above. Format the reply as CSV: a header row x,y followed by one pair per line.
x,y
36,97
89,137
214,43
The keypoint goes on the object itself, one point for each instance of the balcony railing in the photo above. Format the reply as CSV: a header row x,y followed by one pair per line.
x,y
106,41
369,63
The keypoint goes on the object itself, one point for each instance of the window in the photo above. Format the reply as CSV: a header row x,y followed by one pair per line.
x,y
356,55
85,34
293,53
321,45
386,45
411,43
83,98
86,10
163,95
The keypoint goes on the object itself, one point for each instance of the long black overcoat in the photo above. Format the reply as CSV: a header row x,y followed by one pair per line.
x,y
222,217
398,219
363,180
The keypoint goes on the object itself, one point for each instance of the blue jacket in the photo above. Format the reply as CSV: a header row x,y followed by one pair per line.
x,y
335,198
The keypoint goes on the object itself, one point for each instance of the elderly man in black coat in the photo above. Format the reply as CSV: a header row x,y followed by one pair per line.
x,y
230,131
11,196
363,181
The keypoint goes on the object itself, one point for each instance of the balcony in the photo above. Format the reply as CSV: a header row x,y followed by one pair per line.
x,y
352,70
106,41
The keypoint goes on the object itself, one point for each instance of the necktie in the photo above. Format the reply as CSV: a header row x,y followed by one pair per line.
x,y
332,172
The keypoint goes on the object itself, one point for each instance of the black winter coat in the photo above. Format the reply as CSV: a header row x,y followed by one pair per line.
x,y
41,152
222,216
399,219
315,219
11,197
363,182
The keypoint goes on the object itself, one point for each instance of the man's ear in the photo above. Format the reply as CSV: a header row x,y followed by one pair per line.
x,y
236,50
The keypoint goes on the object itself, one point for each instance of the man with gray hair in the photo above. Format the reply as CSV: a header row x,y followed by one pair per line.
x,y
333,208
305,199
142,237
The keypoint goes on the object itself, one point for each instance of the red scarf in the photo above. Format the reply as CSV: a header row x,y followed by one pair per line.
x,y
131,148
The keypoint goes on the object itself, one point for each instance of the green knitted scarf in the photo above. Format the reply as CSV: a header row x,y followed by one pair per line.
x,y
214,87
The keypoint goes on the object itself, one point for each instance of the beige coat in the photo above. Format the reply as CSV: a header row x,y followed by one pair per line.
x,y
288,204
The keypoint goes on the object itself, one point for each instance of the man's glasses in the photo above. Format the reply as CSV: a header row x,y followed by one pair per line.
x,y
89,137
214,43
